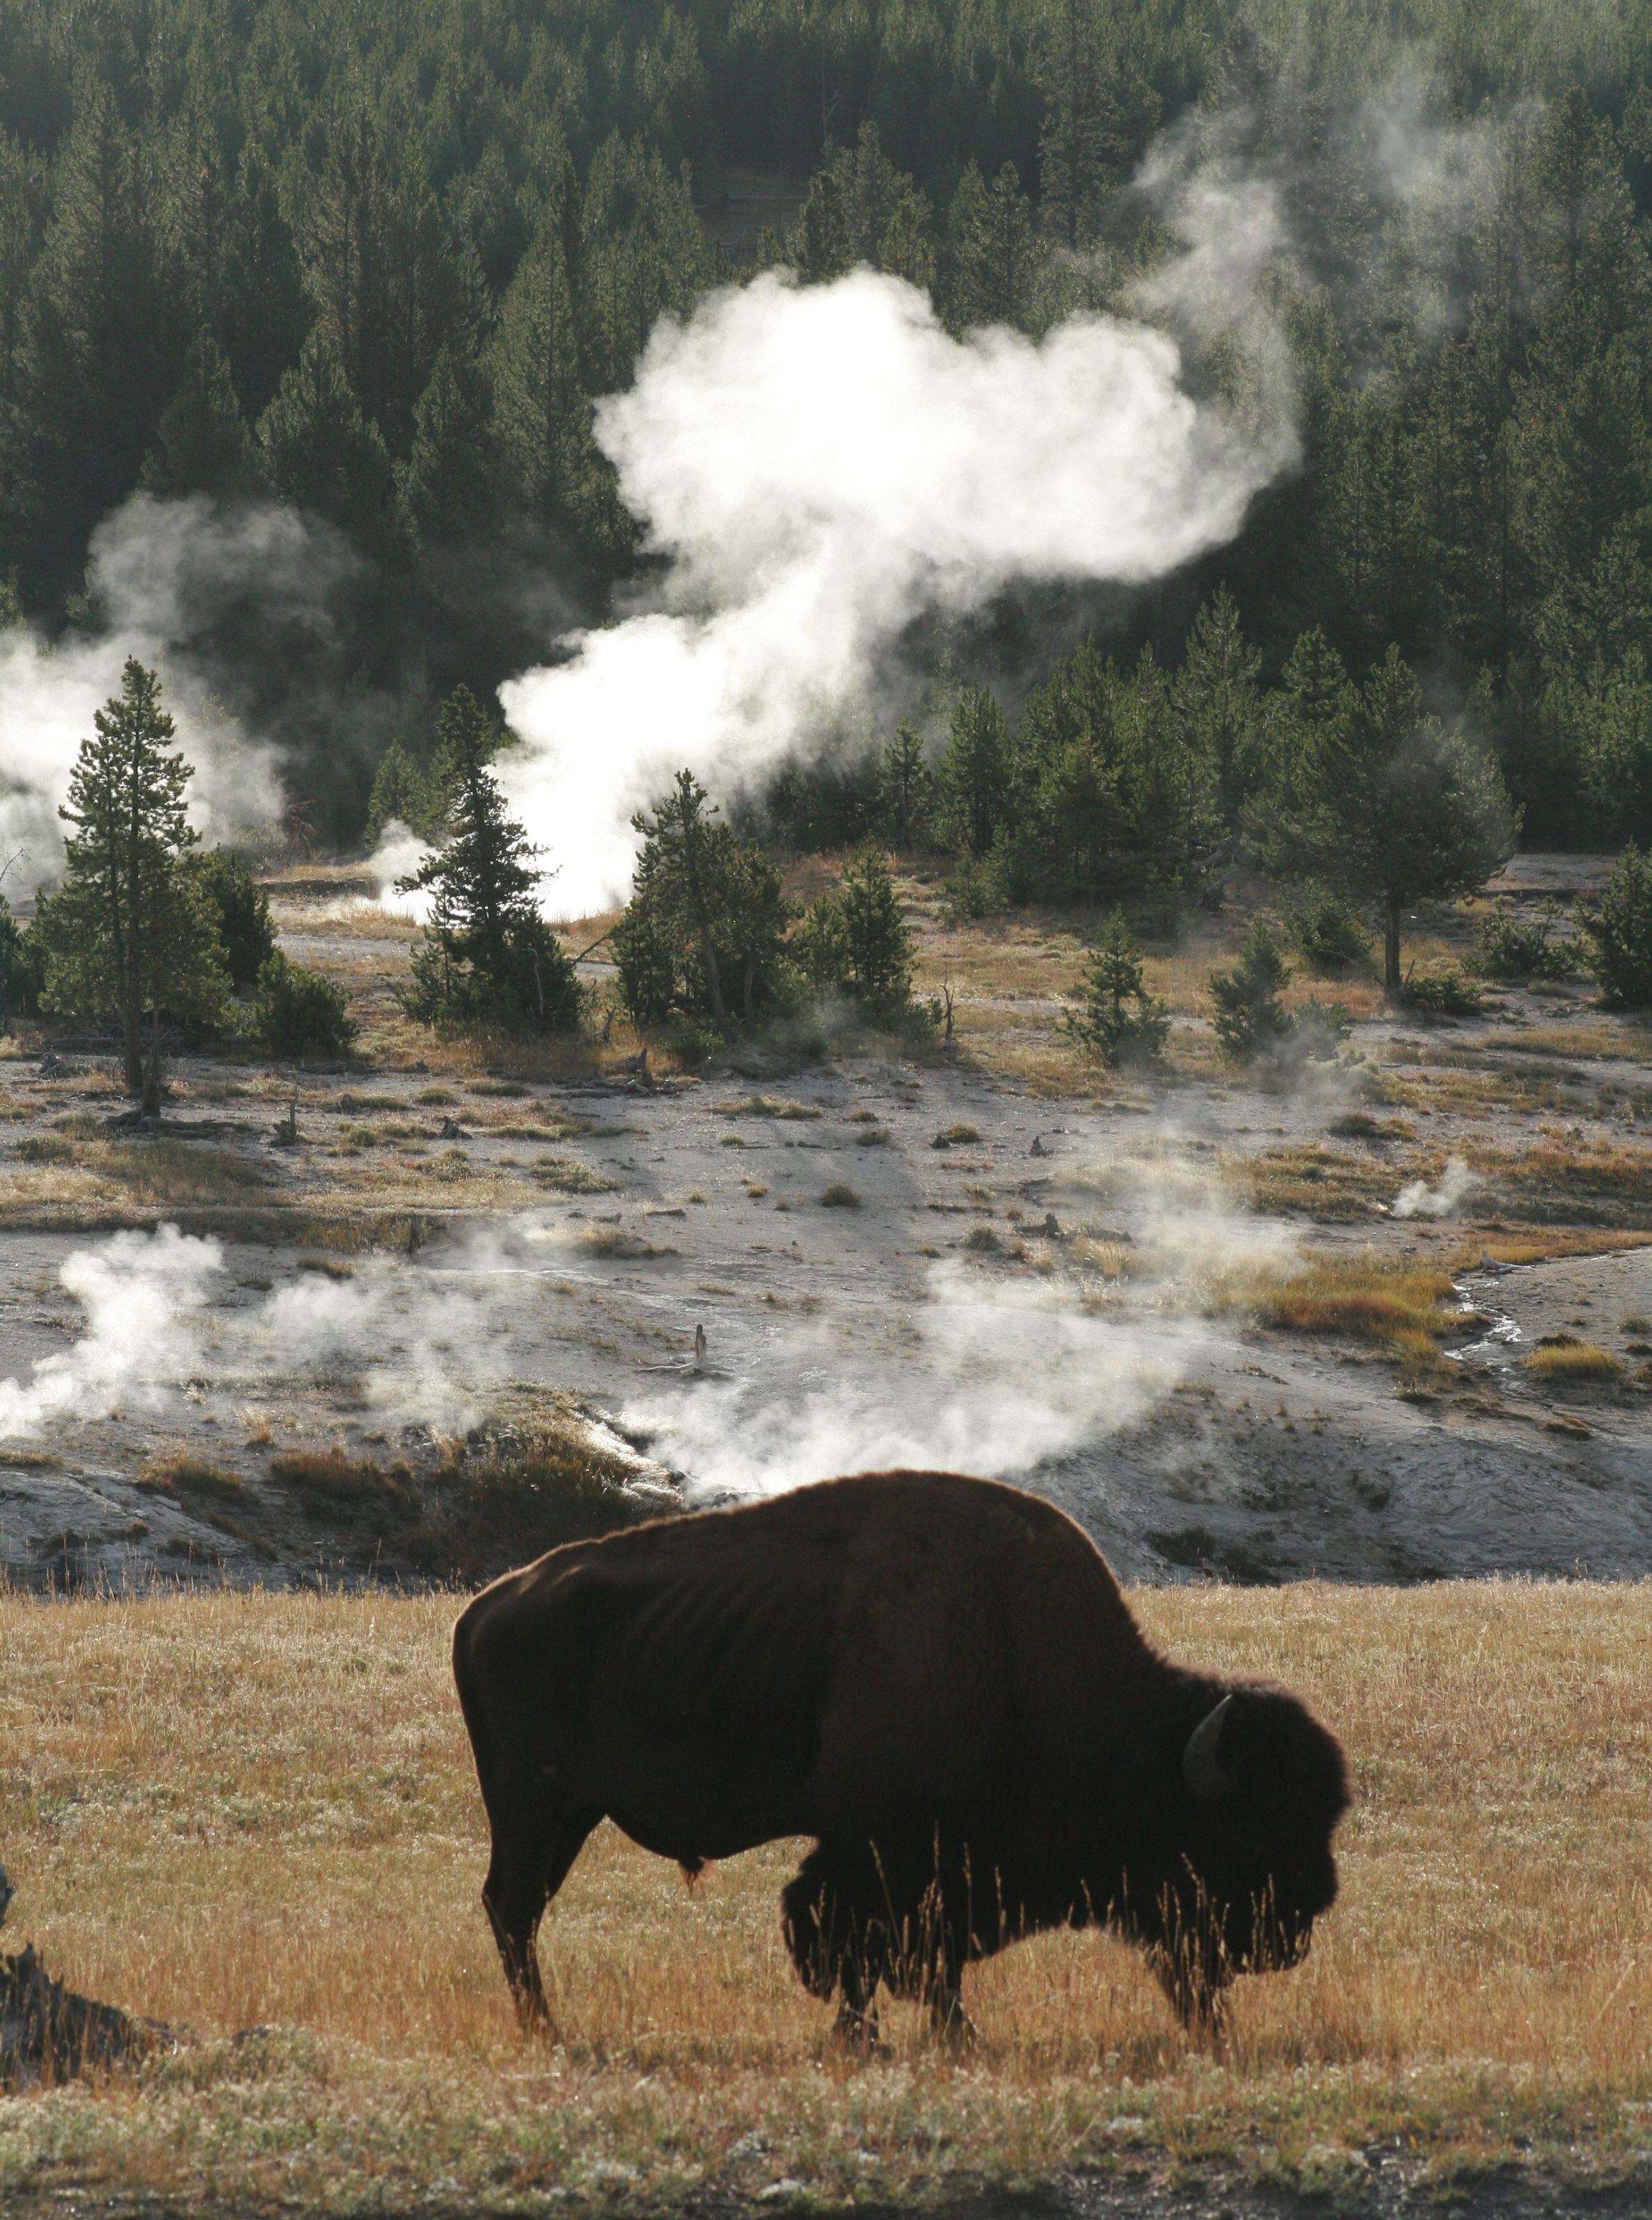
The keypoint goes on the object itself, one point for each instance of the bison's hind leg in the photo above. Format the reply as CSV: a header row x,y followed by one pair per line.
x,y
530,1862
837,1947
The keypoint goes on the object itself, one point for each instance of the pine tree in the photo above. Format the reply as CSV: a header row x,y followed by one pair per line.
x,y
262,315
1249,1016
106,334
132,929
860,209
449,486
974,777
905,783
405,793
995,254
877,941
681,876
320,451
1120,1021
1217,700
1100,112
707,908
202,442
1375,798
487,954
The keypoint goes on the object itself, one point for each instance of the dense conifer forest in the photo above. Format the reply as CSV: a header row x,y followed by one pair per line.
x,y
378,261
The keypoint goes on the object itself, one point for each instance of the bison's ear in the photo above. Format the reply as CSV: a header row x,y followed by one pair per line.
x,y
1201,1766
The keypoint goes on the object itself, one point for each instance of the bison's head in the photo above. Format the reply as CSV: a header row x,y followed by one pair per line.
x,y
1265,1786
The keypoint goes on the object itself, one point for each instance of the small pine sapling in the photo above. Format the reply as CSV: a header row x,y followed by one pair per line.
x,y
1250,1018
1120,1022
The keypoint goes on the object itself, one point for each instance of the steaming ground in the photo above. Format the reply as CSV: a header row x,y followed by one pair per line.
x,y
1043,1302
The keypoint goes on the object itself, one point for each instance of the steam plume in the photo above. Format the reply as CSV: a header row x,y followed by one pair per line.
x,y
160,574
820,465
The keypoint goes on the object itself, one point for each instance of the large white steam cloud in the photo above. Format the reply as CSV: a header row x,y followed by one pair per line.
x,y
159,571
821,466
156,1320
999,1380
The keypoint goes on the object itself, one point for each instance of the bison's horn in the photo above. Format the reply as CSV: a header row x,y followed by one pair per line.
x,y
1199,1767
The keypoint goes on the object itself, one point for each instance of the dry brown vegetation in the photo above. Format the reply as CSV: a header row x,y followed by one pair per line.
x,y
304,1859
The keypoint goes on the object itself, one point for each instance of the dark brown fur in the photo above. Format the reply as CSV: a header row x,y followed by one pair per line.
x,y
935,1677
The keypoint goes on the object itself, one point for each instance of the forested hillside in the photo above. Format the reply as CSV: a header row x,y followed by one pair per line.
x,y
375,261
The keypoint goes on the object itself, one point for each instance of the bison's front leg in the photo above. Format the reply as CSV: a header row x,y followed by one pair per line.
x,y
856,2026
1198,1991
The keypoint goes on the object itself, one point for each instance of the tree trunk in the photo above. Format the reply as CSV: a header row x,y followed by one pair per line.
x,y
714,984
132,1042
1391,979
150,1105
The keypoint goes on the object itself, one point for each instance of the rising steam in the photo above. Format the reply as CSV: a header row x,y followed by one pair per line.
x,y
820,465
159,575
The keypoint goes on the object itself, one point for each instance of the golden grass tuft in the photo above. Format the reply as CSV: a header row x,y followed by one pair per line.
x,y
1399,1306
191,1477
567,1176
304,1857
1562,1361
331,1483
767,1106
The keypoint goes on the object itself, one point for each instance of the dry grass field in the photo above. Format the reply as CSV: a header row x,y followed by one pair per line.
x,y
253,1812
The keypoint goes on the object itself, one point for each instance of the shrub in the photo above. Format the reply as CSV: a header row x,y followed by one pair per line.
x,y
1249,1017
1120,1021
1319,1029
956,1137
517,1499
1619,930
1326,931
982,1239
242,910
838,1196
1442,995
299,1013
1506,947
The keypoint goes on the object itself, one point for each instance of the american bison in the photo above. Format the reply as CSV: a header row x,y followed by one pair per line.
x,y
938,1680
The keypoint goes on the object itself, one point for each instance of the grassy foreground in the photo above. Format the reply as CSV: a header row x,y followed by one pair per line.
x,y
239,1812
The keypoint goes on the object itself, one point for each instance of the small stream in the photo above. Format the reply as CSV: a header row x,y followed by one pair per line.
x,y
1503,1331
